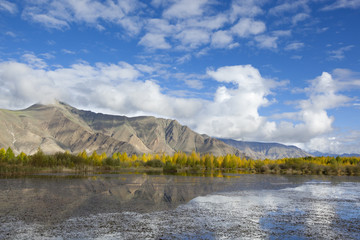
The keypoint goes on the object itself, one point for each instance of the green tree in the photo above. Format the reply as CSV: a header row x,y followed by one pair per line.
x,y
39,159
23,158
2,154
9,155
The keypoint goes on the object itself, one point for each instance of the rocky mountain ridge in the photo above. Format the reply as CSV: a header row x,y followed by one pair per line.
x,y
59,127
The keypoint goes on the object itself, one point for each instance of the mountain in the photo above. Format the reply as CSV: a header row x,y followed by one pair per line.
x,y
60,127
259,150
320,154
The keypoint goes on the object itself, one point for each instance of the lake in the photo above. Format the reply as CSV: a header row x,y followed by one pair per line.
x,y
141,206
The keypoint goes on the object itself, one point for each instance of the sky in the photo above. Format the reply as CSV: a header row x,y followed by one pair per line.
x,y
255,70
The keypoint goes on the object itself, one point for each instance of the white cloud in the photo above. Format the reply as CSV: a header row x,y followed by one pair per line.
x,y
281,33
299,18
106,86
265,41
336,143
145,68
248,8
294,46
246,27
158,3
117,87
22,85
196,84
354,4
8,6
61,13
185,9
346,79
207,22
34,61
47,55
154,41
232,112
193,38
183,24
312,114
46,20
66,51
221,39
290,6
183,59
339,54
160,26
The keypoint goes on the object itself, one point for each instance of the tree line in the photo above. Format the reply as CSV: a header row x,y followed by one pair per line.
x,y
179,161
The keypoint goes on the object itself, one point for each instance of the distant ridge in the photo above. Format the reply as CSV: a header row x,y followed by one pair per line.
x,y
320,154
260,150
60,127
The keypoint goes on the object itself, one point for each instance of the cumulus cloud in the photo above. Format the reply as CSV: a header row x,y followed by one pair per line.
x,y
245,8
248,26
232,111
154,41
221,39
22,84
193,38
314,119
115,87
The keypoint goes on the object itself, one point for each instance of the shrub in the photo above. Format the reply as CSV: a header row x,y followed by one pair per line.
x,y
154,163
169,168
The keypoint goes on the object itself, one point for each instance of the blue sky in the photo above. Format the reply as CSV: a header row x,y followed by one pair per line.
x,y
256,70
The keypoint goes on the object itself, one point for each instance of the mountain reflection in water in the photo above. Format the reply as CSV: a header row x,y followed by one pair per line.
x,y
133,206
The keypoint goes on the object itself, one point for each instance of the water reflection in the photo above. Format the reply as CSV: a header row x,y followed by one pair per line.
x,y
140,206
55,197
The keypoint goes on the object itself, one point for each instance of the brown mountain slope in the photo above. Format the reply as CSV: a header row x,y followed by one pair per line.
x,y
60,127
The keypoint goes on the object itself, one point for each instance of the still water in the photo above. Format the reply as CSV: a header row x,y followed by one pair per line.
x,y
133,206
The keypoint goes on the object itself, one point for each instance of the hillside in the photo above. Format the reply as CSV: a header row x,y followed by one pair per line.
x,y
60,127
259,150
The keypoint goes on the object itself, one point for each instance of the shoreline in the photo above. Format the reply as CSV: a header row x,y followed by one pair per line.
x,y
180,172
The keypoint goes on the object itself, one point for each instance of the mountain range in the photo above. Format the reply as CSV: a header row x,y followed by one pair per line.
x,y
60,127
260,150
320,154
